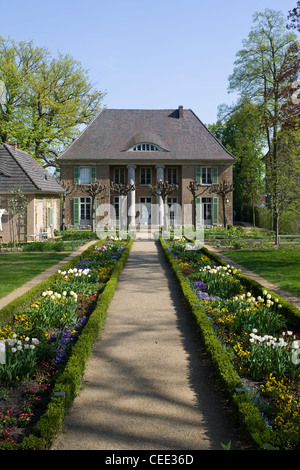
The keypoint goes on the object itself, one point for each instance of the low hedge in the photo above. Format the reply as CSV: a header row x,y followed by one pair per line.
x,y
69,382
22,302
291,312
248,413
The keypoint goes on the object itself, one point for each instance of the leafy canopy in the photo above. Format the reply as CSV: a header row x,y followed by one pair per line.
x,y
46,100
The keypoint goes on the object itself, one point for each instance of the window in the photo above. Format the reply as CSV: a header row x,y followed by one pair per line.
x,y
173,209
48,216
207,210
172,176
207,175
145,210
146,176
145,147
84,175
117,207
119,175
85,210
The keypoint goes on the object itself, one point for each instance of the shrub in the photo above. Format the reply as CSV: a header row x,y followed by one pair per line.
x,y
251,354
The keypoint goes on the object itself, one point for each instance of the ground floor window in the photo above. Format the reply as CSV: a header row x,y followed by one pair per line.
x,y
207,210
82,211
85,211
173,209
145,210
117,207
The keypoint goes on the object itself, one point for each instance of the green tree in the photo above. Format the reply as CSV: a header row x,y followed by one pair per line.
x,y
48,100
258,75
238,127
283,179
294,17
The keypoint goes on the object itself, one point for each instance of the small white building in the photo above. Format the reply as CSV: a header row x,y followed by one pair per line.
x,y
20,171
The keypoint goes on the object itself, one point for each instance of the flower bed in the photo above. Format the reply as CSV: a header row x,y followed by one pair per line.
x,y
40,344
251,340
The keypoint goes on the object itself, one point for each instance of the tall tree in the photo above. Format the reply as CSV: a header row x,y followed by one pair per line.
x,y
258,75
294,17
47,100
239,129
286,181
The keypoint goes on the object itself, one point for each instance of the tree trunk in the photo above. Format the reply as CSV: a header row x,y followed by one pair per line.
x,y
277,228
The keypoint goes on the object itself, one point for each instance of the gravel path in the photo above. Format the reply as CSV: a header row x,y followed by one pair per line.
x,y
148,383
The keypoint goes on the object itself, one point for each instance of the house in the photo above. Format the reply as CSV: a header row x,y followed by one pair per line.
x,y
41,215
142,147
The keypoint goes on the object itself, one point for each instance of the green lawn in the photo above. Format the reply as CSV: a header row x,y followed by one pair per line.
x,y
18,268
282,266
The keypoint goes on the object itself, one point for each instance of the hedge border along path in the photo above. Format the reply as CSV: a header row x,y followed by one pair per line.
x,y
68,383
23,301
249,414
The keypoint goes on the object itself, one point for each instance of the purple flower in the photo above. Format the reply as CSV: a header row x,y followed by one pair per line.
x,y
200,285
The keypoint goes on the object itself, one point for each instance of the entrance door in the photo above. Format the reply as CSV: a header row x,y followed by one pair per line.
x,y
145,210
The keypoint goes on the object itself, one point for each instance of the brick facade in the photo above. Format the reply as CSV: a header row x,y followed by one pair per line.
x,y
146,140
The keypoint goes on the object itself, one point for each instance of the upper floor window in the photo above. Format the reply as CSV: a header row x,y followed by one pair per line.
x,y
146,147
119,175
84,175
146,176
172,176
207,175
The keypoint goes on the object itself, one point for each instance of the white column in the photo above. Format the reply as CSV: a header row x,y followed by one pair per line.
x,y
131,196
160,177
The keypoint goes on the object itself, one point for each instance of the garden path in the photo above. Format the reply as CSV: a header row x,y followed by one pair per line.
x,y
148,384
42,276
288,296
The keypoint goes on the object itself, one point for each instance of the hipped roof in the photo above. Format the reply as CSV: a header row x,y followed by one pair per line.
x,y
18,169
114,131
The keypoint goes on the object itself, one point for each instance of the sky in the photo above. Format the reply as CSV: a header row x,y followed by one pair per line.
x,y
144,54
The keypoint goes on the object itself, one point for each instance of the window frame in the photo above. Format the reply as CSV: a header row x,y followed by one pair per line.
x,y
173,177
145,147
78,171
119,175
201,175
144,180
85,203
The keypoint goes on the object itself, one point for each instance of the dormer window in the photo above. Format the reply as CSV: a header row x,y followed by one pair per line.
x,y
146,147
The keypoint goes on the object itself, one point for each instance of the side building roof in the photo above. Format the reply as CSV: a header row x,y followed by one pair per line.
x,y
179,134
18,169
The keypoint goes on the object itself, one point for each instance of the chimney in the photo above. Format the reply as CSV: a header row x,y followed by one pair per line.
x,y
12,144
180,112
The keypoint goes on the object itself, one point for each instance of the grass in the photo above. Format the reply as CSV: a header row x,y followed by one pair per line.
x,y
282,266
18,268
